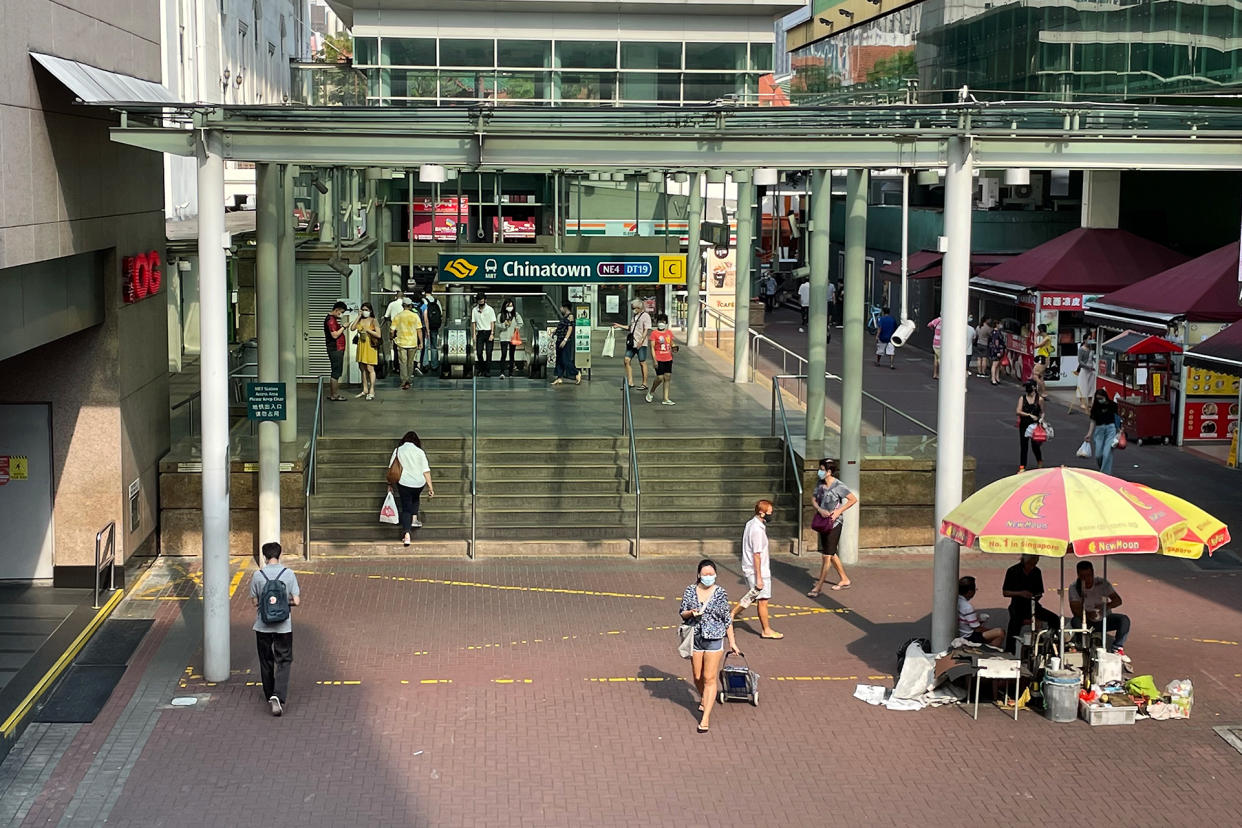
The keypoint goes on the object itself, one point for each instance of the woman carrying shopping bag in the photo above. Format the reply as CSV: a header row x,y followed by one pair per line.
x,y
509,331
409,468
1102,433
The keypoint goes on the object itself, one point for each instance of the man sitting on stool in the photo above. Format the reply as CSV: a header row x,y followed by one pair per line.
x,y
1090,593
1024,582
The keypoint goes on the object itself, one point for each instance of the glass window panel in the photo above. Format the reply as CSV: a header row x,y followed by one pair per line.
x,y
573,54
522,86
588,86
650,55
464,84
408,51
467,53
761,56
715,55
364,51
708,87
651,86
377,83
409,83
534,53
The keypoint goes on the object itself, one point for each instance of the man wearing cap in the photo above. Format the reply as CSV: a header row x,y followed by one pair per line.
x,y
407,337
390,315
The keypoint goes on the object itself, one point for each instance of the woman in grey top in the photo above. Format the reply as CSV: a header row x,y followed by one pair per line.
x,y
507,324
706,605
831,498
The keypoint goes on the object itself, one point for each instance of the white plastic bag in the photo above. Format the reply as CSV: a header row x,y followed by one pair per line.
x,y
1084,450
388,512
610,344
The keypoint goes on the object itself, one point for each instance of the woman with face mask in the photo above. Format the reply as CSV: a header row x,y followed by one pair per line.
x,y
832,498
367,338
564,342
706,605
1102,431
508,326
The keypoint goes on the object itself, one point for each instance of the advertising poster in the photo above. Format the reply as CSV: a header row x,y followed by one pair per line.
x,y
449,214
582,337
720,273
1209,420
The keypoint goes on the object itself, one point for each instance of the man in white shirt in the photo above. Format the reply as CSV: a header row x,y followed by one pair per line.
x,y
970,341
832,305
482,326
757,567
1088,595
390,314
804,303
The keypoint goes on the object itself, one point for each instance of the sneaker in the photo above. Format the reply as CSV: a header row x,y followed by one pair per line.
x,y
1121,651
801,330
418,371
667,402
417,524
277,707
650,398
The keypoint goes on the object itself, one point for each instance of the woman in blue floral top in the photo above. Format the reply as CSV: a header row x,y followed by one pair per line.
x,y
707,606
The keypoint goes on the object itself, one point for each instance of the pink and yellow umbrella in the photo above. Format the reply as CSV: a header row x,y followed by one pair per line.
x,y
1049,511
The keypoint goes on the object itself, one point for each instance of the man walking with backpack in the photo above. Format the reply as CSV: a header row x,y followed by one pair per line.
x,y
274,591
433,318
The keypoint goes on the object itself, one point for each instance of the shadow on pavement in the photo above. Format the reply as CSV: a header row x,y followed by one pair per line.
x,y
667,687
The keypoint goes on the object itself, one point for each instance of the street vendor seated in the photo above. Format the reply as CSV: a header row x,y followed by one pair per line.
x,y
970,623
1088,595
1023,584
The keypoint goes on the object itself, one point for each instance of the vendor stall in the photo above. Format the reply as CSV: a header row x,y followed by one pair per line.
x,y
1216,363
1052,284
1135,370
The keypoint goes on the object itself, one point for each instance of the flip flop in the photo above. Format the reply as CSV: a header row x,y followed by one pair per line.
x,y
813,594
702,729
773,636
840,587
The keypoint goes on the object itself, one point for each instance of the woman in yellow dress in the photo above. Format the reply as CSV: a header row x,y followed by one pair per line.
x,y
367,354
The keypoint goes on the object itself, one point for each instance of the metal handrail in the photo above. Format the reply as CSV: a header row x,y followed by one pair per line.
x,y
316,430
474,458
789,459
633,483
110,561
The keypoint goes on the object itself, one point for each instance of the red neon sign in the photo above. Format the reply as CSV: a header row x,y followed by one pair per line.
x,y
141,276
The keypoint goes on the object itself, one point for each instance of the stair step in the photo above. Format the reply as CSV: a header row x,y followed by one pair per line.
x,y
387,533
329,502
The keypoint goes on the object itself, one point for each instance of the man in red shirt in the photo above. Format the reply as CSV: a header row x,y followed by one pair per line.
x,y
663,348
334,341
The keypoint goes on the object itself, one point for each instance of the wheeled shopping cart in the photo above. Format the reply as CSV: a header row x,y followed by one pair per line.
x,y
738,682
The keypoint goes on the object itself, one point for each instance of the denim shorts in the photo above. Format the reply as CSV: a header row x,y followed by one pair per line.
x,y
708,645
641,353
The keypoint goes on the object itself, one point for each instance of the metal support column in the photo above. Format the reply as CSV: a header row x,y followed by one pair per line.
x,y
741,280
852,351
694,263
288,313
267,301
951,409
327,208
213,294
817,318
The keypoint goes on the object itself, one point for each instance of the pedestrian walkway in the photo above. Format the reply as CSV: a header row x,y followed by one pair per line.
x,y
526,692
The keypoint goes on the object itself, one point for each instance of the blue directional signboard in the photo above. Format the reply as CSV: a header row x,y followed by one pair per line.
x,y
562,268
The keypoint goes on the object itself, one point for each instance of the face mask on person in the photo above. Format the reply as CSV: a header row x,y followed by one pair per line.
x,y
765,516
707,580
509,308
822,474
482,302
365,314
663,326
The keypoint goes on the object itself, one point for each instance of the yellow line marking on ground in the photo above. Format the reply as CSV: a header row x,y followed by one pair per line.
x,y
813,678
237,576
338,683
513,681
19,713
1199,640
645,679
514,588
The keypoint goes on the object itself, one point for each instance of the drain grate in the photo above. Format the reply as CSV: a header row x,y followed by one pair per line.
x,y
1231,734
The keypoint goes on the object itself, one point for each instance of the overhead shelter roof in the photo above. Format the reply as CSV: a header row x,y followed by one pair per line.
x,y
1200,290
1223,348
1084,260
93,85
349,11
1132,342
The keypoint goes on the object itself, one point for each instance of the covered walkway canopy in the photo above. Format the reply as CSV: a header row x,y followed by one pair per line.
x,y
1200,290
1084,260
927,264
1221,349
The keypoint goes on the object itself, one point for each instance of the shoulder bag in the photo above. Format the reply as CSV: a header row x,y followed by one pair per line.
x,y
685,633
394,471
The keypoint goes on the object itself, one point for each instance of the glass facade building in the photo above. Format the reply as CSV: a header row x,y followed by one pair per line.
x,y
422,71
1055,49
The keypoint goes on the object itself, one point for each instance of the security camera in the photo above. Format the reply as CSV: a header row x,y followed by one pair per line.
x,y
340,266
903,332
319,185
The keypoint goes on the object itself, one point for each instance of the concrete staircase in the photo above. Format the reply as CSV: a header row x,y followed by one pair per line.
x,y
561,490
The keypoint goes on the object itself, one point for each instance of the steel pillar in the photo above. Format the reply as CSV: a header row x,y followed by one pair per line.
x,y
288,313
267,301
852,352
214,416
817,318
741,274
951,410
694,263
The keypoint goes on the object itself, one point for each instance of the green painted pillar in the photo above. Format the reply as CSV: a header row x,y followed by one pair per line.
x,y
694,263
741,280
852,350
289,333
817,336
267,300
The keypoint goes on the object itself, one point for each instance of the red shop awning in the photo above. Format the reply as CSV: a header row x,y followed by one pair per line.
x,y
1085,260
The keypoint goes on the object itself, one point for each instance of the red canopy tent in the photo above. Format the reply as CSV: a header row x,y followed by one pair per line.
x,y
1224,348
1085,260
1200,290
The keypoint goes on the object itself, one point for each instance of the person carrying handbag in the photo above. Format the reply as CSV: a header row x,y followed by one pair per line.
x,y
509,330
410,472
1030,412
705,606
832,498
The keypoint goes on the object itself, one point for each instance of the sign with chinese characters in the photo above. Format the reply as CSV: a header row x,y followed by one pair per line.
x,y
1061,301
140,276
561,268
444,223
265,400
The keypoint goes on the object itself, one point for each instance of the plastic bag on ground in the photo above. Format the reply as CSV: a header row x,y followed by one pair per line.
x,y
388,512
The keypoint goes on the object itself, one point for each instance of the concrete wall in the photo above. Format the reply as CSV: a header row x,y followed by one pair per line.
x,y
67,190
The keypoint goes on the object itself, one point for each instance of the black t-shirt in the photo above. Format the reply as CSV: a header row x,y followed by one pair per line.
x,y
1018,579
1104,413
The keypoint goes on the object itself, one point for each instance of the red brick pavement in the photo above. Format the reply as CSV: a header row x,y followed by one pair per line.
x,y
555,748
